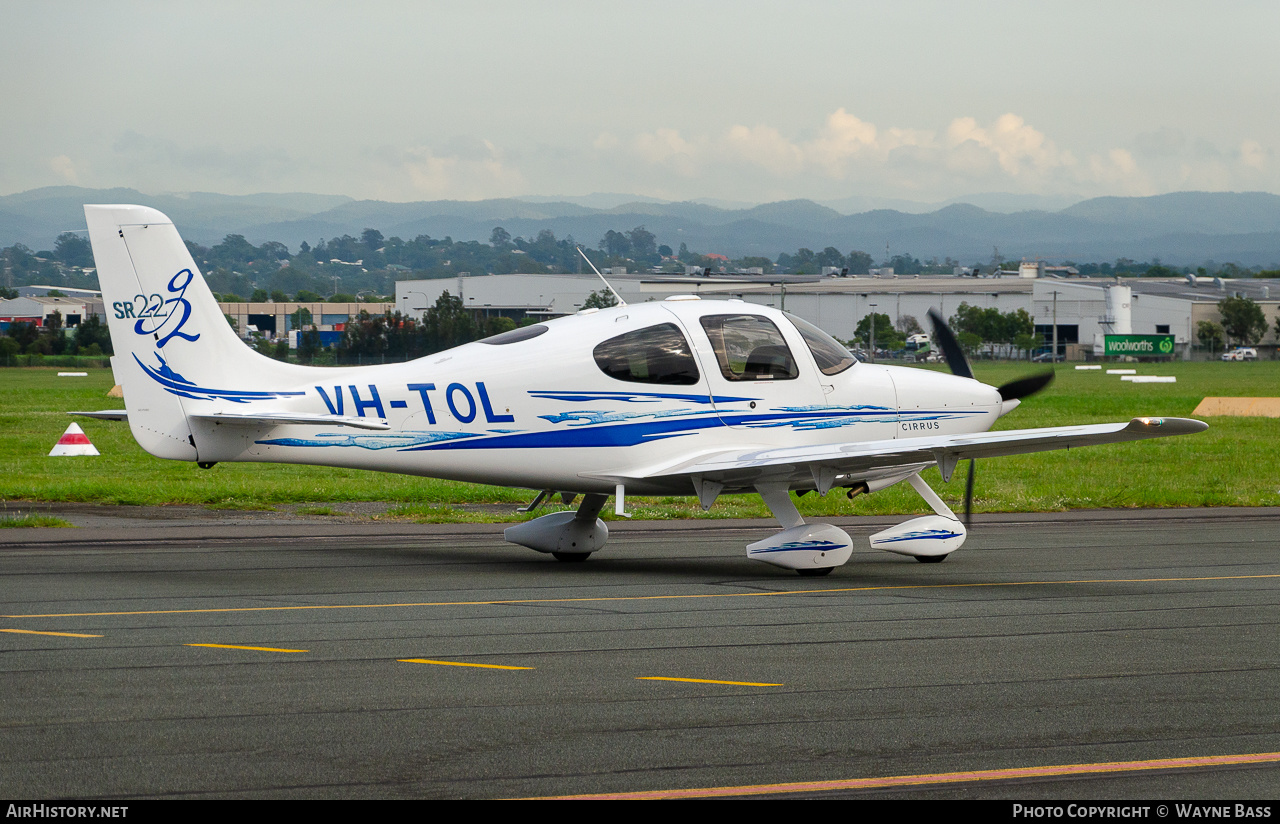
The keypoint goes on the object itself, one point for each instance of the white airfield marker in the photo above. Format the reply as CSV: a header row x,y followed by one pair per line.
x,y
73,442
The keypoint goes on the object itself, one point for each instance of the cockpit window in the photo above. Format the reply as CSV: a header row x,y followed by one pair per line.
x,y
515,335
749,348
657,354
831,356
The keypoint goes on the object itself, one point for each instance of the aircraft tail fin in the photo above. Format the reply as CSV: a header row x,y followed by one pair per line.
x,y
175,353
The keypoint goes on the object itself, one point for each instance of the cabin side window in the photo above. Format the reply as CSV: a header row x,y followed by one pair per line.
x,y
658,354
750,348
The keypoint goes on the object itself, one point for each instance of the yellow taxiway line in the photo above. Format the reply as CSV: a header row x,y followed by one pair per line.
x,y
236,646
459,664
620,598
945,778
63,634
706,681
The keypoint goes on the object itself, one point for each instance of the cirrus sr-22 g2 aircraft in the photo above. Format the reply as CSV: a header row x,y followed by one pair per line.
x,y
678,397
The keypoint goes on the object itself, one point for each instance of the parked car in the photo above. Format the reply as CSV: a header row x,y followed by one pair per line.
x,y
1241,353
1048,357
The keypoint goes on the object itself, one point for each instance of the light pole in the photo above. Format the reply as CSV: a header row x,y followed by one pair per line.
x,y
1054,358
405,298
873,331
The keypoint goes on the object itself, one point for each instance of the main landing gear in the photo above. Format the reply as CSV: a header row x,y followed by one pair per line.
x,y
816,549
809,549
812,550
568,536
929,539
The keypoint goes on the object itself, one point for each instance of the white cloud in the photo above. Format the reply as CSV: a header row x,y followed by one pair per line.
x,y
1167,159
64,168
764,146
665,147
1018,147
1253,155
481,173
1005,154
844,136
1118,173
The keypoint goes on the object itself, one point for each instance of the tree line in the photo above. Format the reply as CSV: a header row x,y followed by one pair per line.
x,y
90,338
349,266
1243,323
973,325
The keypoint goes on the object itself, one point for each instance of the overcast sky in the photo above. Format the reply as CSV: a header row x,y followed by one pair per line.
x,y
745,101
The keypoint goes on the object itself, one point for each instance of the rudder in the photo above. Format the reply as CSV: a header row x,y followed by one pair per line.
x,y
172,342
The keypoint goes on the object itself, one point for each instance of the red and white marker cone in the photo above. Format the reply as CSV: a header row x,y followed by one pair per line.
x,y
73,442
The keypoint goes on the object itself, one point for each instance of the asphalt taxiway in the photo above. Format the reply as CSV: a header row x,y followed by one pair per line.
x,y
223,657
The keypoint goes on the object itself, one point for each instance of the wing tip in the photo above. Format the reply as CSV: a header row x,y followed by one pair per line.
x,y
1168,426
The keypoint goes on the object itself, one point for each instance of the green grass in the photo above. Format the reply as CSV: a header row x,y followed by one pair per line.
x,y
1230,465
23,521
34,417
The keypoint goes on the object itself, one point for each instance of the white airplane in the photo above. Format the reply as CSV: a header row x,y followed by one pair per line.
x,y
678,397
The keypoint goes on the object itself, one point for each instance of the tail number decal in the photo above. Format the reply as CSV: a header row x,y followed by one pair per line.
x,y
462,404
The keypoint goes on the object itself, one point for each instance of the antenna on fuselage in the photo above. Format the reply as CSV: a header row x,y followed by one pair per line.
x,y
621,302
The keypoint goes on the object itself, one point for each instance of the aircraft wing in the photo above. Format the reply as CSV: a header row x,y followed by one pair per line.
x,y
881,458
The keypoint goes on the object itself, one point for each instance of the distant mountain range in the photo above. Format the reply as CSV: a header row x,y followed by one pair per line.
x,y
1182,228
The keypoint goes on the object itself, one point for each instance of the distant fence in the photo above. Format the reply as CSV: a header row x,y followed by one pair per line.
x,y
326,357
70,361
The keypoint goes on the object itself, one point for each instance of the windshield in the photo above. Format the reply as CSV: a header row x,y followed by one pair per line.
x,y
831,356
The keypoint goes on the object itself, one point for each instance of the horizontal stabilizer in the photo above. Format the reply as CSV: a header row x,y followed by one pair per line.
x,y
281,418
104,414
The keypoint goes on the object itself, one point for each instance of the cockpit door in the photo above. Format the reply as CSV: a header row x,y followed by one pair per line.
x,y
753,366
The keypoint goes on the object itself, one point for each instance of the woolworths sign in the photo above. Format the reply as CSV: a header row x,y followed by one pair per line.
x,y
1149,346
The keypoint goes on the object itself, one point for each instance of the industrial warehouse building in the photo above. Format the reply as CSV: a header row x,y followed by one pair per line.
x,y
1082,309
38,309
275,320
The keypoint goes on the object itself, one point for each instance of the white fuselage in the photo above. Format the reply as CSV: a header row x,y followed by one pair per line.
x,y
542,413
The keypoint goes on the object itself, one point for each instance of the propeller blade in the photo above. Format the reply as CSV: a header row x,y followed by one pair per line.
x,y
968,496
1023,387
950,346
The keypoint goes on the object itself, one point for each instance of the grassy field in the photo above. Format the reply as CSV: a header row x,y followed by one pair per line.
x,y
1232,464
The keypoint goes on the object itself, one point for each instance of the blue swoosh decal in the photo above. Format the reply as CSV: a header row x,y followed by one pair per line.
x,y
178,385
628,397
787,547
930,534
368,441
